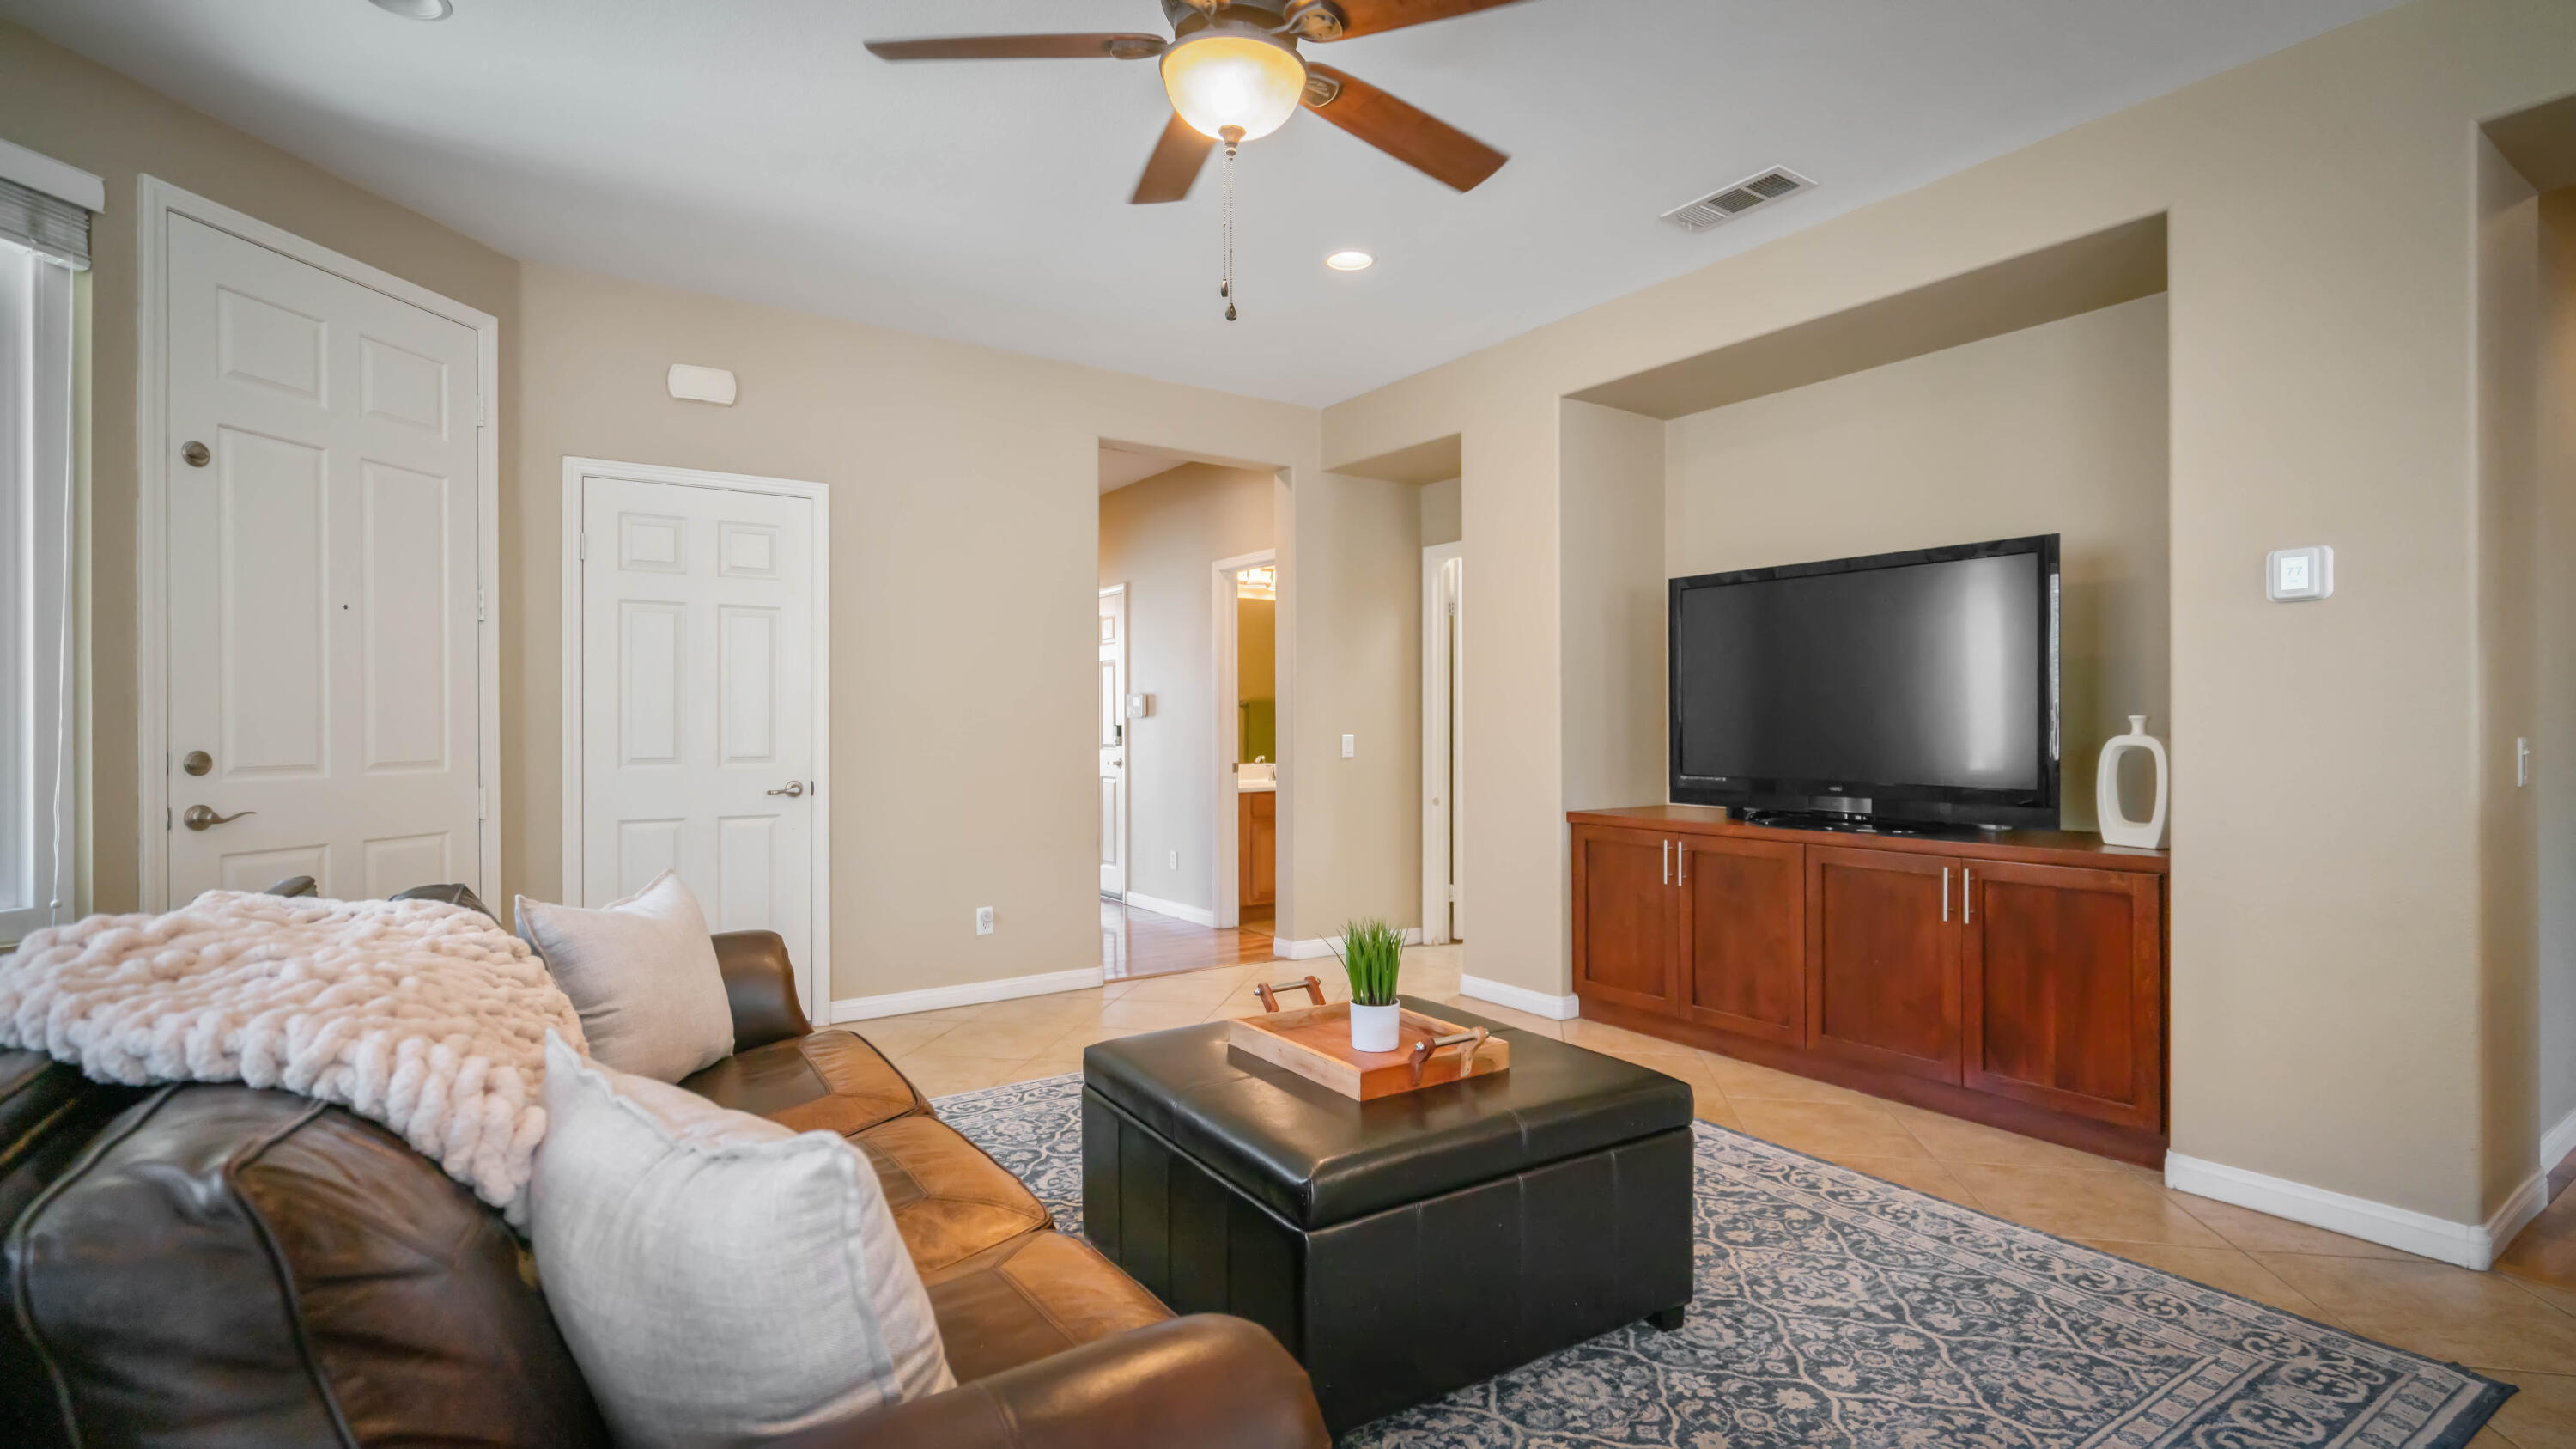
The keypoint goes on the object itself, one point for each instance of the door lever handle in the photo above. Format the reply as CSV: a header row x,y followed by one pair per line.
x,y
794,788
201,817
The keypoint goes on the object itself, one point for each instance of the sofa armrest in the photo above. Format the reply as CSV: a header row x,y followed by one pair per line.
x,y
1207,1381
760,986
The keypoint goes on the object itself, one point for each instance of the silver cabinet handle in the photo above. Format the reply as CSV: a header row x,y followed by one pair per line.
x,y
1967,902
202,817
794,789
1681,862
1945,893
1668,862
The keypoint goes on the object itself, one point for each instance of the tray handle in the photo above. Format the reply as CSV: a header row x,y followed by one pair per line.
x,y
1269,991
1469,1042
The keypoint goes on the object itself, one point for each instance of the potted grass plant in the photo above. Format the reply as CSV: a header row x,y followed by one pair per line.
x,y
1371,951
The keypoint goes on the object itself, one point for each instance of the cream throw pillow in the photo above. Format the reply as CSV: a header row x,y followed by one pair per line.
x,y
720,1279
642,973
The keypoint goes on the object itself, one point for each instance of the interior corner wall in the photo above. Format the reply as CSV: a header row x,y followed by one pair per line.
x,y
1440,521
1351,643
2508,342
2554,671
85,115
1161,537
2059,428
1611,655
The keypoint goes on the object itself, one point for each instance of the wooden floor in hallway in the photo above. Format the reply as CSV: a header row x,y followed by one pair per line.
x,y
1135,944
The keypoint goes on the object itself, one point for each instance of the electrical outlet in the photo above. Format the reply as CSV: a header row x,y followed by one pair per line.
x,y
1171,860
983,920
1350,746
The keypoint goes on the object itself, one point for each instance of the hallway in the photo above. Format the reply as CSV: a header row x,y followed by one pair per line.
x,y
1137,943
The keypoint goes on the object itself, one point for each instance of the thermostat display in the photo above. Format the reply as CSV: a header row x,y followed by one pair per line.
x,y
2294,575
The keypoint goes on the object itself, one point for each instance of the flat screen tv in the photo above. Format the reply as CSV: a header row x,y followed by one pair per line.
x,y
1901,687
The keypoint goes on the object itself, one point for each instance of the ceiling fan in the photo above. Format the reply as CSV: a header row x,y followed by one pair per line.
x,y
1233,73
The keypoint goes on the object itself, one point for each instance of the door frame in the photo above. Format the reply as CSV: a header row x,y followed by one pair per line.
x,y
1443,733
1126,743
156,202
1223,852
818,988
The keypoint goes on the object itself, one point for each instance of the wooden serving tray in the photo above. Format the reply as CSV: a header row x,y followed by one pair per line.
x,y
1315,1043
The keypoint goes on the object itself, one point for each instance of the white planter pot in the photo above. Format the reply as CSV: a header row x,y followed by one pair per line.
x,y
2116,827
1373,1027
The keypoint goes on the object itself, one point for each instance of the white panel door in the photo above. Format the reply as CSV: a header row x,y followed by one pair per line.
x,y
1113,742
697,701
323,641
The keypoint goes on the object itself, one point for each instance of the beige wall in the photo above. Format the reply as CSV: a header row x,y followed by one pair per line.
x,y
2325,894
1159,537
1256,649
2058,428
1354,598
1611,654
2508,342
1440,513
87,116
2554,672
965,564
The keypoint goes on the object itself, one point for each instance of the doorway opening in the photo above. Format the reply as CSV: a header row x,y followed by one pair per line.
x,y
1192,664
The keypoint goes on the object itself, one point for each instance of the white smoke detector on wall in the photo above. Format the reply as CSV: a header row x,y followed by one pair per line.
x,y
702,384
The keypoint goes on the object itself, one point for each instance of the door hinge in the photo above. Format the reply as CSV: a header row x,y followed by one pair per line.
x,y
1453,895
482,804
165,817
583,549
482,411
478,604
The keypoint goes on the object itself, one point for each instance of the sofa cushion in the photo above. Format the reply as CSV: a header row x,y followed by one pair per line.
x,y
721,1279
830,1081
1036,1295
234,1267
642,972
950,1200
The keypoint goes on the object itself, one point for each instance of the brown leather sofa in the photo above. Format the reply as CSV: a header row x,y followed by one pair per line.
x,y
211,1266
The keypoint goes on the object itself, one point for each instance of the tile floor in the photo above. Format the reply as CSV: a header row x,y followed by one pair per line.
x,y
2517,1324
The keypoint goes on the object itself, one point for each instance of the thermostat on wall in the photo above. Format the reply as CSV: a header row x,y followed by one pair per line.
x,y
1140,706
2292,575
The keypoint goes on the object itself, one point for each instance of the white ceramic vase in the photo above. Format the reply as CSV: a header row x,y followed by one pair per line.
x,y
2117,828
1373,1027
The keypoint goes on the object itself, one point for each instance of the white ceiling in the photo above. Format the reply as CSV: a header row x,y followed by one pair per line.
x,y
751,148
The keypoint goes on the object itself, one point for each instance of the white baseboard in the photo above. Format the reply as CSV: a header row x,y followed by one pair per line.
x,y
2469,1245
2556,1143
1195,915
1521,998
973,993
1314,946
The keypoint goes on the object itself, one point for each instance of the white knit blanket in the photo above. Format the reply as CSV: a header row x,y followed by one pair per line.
x,y
428,1018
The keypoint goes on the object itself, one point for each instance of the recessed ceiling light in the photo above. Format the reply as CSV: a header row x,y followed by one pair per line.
x,y
1350,261
416,9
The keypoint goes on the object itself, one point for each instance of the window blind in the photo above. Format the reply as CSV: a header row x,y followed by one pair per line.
x,y
46,224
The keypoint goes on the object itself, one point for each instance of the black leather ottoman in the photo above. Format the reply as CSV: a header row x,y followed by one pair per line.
x,y
1404,1247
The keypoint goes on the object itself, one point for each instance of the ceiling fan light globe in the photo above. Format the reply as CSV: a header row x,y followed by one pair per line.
x,y
1229,79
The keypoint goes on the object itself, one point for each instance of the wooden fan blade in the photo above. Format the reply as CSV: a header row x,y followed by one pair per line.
x,y
1174,165
1410,135
1021,47
1368,17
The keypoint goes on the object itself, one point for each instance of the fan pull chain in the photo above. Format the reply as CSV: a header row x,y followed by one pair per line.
x,y
1233,137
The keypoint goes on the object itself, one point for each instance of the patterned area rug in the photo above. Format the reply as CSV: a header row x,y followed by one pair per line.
x,y
1835,1309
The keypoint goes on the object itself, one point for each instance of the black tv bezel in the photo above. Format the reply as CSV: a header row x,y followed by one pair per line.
x,y
1890,799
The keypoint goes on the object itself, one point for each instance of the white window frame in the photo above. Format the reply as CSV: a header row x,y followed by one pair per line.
x,y
38,814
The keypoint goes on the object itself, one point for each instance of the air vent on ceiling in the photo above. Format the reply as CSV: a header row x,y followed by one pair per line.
x,y
1729,202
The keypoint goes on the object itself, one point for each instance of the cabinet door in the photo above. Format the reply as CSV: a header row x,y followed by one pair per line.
x,y
1744,935
1883,960
1626,916
1259,848
2065,1007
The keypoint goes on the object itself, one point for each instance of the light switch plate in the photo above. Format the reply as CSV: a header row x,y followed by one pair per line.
x,y
1350,746
1140,706
2297,575
983,920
